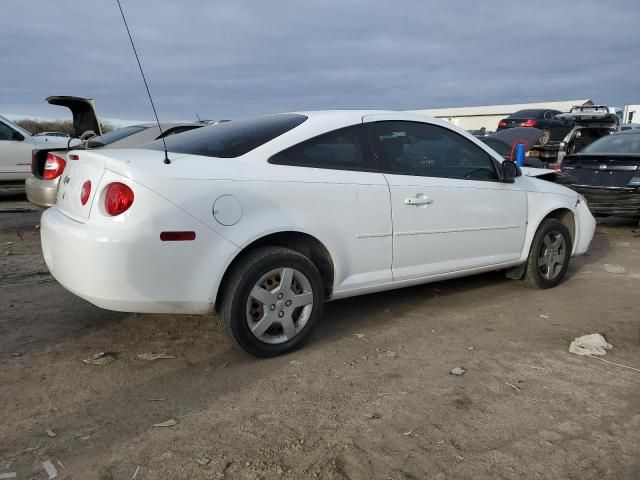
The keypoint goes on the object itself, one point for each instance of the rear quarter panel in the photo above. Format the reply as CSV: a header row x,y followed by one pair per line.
x,y
348,212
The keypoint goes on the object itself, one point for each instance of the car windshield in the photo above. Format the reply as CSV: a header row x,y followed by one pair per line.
x,y
627,143
526,114
230,139
119,134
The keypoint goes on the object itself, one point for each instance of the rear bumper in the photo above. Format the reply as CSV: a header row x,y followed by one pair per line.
x,y
41,192
127,268
615,201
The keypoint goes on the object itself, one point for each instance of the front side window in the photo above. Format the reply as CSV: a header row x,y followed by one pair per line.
x,y
6,132
415,148
343,149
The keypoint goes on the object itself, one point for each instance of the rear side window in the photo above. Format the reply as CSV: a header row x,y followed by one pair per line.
x,y
230,139
343,149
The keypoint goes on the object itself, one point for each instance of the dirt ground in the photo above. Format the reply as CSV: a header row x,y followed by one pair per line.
x,y
370,397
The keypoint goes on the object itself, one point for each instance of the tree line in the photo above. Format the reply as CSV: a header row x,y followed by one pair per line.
x,y
62,126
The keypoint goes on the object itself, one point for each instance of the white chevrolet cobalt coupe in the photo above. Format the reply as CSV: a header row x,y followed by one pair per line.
x,y
266,218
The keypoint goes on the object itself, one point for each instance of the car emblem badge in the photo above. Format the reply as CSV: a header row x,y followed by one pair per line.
x,y
603,167
66,180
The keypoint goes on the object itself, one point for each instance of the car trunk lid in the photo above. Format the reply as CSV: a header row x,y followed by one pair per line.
x,y
90,165
82,167
83,111
603,170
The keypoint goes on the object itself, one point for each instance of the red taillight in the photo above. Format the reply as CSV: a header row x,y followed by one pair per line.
x,y
529,123
85,192
502,123
118,198
53,167
557,167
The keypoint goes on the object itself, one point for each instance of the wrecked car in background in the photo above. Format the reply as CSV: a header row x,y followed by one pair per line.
x,y
16,147
607,173
506,142
48,164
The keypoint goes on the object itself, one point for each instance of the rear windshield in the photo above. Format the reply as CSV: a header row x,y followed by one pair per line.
x,y
527,114
627,143
119,134
230,139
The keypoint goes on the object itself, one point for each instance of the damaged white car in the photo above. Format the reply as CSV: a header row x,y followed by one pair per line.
x,y
264,219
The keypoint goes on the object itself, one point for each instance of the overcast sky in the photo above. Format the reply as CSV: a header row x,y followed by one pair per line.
x,y
239,58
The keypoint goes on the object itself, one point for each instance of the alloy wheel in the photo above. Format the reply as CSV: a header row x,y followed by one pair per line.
x,y
279,305
552,255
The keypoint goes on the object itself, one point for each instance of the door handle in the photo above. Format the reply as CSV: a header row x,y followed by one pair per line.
x,y
418,200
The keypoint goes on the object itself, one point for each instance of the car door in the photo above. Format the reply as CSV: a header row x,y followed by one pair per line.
x,y
450,210
335,188
15,153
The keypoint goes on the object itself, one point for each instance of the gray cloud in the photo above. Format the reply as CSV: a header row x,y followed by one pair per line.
x,y
251,57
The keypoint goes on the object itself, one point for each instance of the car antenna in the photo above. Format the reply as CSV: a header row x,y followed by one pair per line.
x,y
198,117
166,155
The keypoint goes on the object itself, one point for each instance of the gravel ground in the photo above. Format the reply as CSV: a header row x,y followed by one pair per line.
x,y
370,397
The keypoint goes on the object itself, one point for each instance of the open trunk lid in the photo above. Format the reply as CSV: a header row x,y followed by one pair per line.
x,y
604,170
83,111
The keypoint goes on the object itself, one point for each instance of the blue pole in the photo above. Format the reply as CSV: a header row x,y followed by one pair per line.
x,y
520,154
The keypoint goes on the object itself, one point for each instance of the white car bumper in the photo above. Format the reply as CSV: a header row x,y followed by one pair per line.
x,y
131,269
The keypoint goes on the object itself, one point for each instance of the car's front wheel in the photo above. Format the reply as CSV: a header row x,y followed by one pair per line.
x,y
549,255
272,301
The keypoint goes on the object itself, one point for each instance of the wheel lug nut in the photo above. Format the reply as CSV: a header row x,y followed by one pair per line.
x,y
272,307
280,314
288,303
280,295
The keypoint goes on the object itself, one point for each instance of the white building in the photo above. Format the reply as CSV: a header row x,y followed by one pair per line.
x,y
488,116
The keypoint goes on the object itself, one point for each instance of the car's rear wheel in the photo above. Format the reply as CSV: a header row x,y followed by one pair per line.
x,y
271,301
549,255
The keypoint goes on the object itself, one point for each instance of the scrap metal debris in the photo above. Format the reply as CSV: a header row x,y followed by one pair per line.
x,y
154,356
101,358
8,475
614,268
172,422
51,433
135,474
517,389
458,371
594,344
51,469
203,461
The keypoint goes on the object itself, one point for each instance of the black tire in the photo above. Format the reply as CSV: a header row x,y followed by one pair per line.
x,y
233,307
533,276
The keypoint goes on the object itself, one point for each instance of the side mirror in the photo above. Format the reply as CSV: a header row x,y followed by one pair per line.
x,y
510,171
17,136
